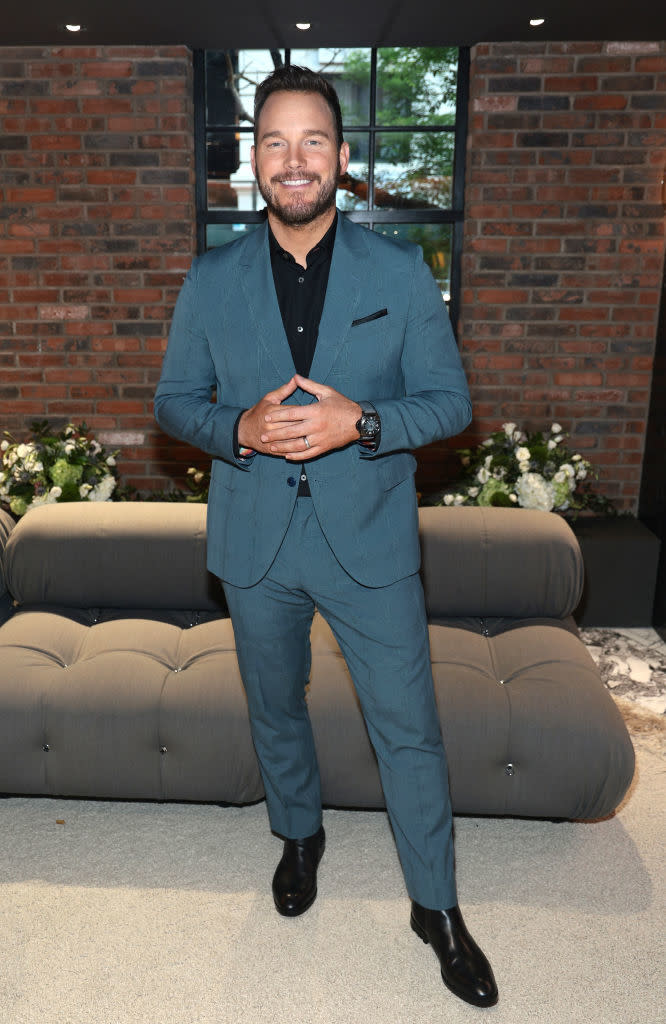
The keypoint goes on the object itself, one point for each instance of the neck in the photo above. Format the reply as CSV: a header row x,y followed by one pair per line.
x,y
298,239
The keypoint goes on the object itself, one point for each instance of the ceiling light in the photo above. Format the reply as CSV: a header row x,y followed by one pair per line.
x,y
73,28
535,22
303,25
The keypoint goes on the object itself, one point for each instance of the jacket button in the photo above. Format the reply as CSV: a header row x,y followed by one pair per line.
x,y
291,480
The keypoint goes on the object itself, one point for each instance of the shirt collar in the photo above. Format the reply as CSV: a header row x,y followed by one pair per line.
x,y
323,247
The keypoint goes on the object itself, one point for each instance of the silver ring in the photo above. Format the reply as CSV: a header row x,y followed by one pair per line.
x,y
307,443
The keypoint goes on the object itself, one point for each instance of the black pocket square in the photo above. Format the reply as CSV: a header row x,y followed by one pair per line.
x,y
373,316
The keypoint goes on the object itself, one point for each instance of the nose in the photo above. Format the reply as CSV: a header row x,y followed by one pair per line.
x,y
294,157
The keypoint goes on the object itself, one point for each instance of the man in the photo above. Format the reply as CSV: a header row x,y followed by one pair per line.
x,y
331,357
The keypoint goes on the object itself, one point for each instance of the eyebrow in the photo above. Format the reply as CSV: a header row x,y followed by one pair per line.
x,y
308,132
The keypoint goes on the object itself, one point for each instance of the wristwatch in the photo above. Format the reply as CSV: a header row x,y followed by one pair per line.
x,y
369,424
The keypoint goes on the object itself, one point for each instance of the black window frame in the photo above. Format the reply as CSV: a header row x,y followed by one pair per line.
x,y
453,215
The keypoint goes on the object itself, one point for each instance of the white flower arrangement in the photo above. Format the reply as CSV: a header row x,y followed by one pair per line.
x,y
68,466
526,470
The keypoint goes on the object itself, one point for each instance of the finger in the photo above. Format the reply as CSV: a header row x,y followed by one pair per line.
x,y
286,413
311,386
293,432
305,454
279,394
293,448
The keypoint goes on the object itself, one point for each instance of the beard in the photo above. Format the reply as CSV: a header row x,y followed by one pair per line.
x,y
300,210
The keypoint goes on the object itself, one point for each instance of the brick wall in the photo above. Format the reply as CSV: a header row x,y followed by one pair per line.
x,y
96,232
563,255
564,244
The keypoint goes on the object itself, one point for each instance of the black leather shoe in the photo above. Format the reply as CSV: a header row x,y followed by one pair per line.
x,y
465,969
295,878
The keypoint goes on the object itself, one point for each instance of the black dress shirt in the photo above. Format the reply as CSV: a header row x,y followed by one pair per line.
x,y
301,292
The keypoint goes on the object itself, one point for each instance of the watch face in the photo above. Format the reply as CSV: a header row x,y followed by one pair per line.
x,y
369,424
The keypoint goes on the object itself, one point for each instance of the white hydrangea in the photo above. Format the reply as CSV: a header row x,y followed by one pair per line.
x,y
556,429
535,492
103,490
523,454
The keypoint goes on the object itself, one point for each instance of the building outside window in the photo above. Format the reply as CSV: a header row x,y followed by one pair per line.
x,y
404,116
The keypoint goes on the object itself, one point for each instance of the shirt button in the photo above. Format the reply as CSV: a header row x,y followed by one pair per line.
x,y
291,480
303,476
300,330
301,280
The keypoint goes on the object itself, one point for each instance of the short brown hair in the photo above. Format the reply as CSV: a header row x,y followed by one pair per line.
x,y
296,79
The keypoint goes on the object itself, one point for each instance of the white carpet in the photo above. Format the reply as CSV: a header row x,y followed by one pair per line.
x,y
135,912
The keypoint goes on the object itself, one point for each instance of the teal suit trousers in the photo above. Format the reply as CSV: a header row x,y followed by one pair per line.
x,y
382,633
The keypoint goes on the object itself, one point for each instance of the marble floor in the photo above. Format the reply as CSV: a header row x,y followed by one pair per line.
x,y
632,663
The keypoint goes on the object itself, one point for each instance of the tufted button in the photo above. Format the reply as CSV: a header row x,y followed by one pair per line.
x,y
163,750
45,748
291,480
501,682
509,769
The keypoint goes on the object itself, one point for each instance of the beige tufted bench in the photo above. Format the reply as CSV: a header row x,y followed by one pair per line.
x,y
118,672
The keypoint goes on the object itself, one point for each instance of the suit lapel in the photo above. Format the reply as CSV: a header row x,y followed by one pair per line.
x,y
342,297
261,301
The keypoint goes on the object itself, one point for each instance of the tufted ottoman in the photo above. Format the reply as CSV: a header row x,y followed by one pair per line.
x,y
118,673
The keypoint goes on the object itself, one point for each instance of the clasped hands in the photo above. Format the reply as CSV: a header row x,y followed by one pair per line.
x,y
276,429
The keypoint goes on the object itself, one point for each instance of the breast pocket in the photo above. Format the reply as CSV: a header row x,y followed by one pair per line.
x,y
371,316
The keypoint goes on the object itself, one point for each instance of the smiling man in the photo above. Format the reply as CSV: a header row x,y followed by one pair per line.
x,y
331,356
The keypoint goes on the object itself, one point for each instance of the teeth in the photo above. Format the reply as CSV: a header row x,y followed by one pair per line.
x,y
296,181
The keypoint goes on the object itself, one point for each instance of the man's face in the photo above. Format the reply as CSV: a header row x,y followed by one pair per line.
x,y
296,160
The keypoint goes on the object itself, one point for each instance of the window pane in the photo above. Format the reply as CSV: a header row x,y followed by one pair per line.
x,y
434,239
348,71
231,185
232,77
220,234
413,170
417,85
353,187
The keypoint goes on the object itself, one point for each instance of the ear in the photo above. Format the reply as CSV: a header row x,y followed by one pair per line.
x,y
344,157
253,161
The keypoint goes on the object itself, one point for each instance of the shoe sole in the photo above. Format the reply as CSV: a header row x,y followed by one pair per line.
x,y
423,935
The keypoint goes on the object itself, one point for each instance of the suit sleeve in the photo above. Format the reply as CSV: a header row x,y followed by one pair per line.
x,y
183,401
436,403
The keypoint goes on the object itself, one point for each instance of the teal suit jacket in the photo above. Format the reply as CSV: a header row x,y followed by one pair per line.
x,y
227,339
